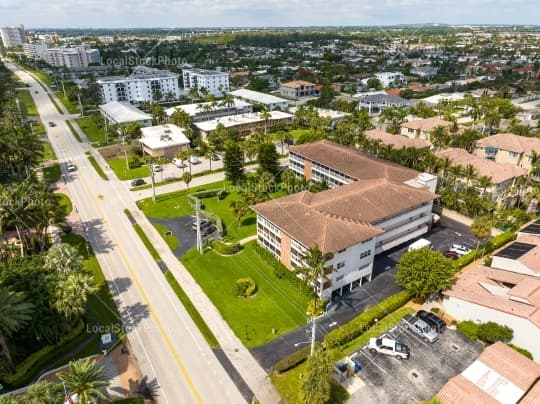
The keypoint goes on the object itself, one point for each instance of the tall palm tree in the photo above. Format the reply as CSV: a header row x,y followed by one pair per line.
x,y
72,294
183,155
87,379
470,174
265,116
444,166
15,313
481,228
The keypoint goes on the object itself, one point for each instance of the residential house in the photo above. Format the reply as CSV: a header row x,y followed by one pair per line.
x,y
298,89
499,375
397,141
163,140
378,102
502,176
421,128
509,149
388,79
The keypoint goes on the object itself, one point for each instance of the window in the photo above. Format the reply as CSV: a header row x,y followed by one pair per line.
x,y
513,154
340,264
365,254
339,278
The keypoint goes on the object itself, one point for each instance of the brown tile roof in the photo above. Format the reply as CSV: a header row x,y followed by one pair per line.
x,y
498,172
459,390
333,219
297,84
425,124
513,366
468,287
511,142
397,141
351,162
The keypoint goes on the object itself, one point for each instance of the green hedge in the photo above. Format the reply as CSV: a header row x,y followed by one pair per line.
x,y
293,360
489,332
468,328
522,351
245,287
499,241
466,259
226,249
282,272
216,220
32,365
206,193
361,323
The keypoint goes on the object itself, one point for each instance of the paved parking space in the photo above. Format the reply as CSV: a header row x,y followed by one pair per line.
x,y
389,380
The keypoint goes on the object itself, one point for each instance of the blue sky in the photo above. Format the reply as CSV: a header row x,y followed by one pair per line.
x,y
212,13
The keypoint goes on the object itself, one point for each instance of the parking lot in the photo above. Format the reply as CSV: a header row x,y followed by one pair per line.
x,y
389,380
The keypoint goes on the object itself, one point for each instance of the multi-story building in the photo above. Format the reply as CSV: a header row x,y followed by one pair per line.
x,y
373,206
298,89
508,148
35,51
388,79
209,81
421,128
72,58
268,101
163,140
206,111
143,85
13,36
118,113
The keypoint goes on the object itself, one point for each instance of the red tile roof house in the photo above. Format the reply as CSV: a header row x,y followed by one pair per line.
x,y
374,206
499,375
397,141
421,128
503,176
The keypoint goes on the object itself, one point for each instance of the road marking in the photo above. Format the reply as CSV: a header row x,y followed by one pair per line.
x,y
372,361
144,296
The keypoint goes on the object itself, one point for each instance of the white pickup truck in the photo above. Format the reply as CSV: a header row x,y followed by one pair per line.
x,y
389,346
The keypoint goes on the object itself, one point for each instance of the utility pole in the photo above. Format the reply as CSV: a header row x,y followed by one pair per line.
x,y
313,334
81,108
125,149
152,181
198,221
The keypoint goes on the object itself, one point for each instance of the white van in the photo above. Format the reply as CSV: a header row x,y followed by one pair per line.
x,y
420,243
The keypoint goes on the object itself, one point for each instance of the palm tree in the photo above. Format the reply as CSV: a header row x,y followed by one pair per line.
x,y
457,173
288,177
481,228
444,166
186,177
63,258
470,174
209,153
183,155
265,116
72,294
438,137
14,314
484,182
86,379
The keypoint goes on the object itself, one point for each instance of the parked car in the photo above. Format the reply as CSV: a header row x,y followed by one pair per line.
x,y
51,124
433,320
178,163
203,223
137,182
451,254
156,168
421,328
390,347
460,249
70,166
194,160
420,243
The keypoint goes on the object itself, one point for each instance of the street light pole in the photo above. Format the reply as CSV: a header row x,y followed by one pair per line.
x,y
152,181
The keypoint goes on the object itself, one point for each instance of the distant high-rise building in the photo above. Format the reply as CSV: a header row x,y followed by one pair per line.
x,y
213,82
13,36
72,58
35,51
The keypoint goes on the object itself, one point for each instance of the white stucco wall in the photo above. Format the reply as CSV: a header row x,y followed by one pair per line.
x,y
511,265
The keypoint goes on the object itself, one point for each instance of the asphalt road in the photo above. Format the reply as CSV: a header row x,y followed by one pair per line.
x,y
168,345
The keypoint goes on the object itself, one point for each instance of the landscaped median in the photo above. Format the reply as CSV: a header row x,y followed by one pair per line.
x,y
73,131
98,168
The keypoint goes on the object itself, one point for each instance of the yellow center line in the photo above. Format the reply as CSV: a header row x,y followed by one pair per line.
x,y
146,300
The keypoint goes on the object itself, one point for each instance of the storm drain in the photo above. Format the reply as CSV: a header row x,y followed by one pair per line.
x,y
454,347
414,375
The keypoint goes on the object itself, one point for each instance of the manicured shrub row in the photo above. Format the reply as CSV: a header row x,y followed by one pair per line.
x,y
207,193
216,220
361,323
293,360
226,249
281,272
499,241
522,351
29,368
489,332
245,287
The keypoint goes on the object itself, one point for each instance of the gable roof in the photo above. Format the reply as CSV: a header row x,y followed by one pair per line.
x,y
425,124
397,141
353,163
510,142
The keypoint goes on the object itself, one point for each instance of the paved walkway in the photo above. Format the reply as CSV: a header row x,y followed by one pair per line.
x,y
247,239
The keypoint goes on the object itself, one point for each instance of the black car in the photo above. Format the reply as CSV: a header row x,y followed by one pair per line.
x,y
137,182
52,124
432,320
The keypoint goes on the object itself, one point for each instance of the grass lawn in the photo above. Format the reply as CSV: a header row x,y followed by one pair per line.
x,y
73,108
289,383
28,107
149,246
98,168
294,133
171,239
65,202
48,80
73,131
48,152
118,165
52,173
55,105
276,308
94,133
39,129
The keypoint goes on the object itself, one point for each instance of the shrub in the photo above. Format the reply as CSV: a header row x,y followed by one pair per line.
x,y
466,259
226,249
435,310
245,287
293,360
499,241
522,351
282,272
491,332
468,328
362,322
222,194
29,368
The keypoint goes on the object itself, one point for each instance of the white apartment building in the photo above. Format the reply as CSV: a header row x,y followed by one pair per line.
x,y
143,85
13,36
388,79
268,101
35,51
206,111
214,82
72,58
396,205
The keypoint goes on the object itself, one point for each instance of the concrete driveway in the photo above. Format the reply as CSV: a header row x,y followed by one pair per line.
x,y
389,380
